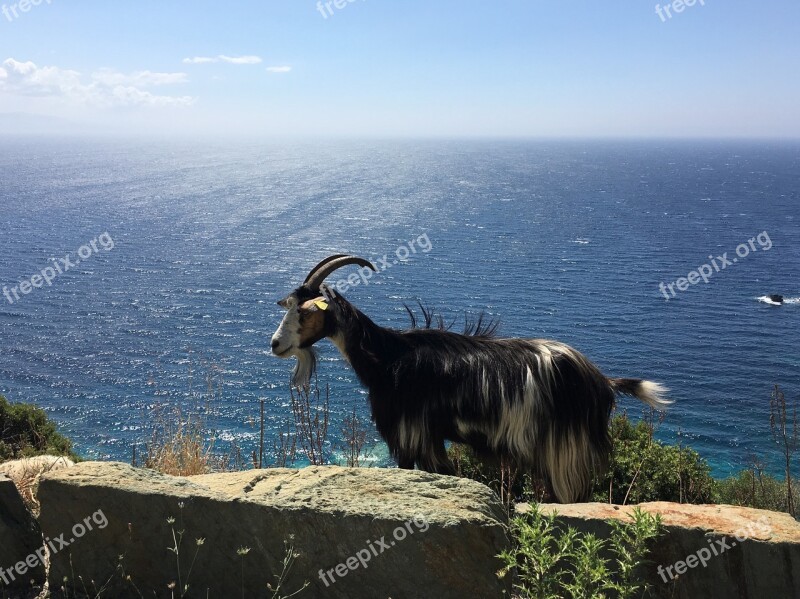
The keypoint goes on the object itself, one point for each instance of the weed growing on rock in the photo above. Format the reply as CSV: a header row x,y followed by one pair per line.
x,y
280,579
311,416
785,434
354,444
177,541
550,561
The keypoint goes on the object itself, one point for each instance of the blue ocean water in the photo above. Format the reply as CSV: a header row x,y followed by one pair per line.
x,y
565,240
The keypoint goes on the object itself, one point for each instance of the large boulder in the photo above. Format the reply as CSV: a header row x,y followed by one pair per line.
x,y
21,567
358,532
707,551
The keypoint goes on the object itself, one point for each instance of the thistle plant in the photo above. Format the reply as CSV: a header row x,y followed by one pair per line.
x,y
550,561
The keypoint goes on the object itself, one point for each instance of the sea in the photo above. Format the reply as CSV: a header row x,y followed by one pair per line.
x,y
142,275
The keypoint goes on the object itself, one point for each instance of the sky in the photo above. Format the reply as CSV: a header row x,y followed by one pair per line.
x,y
402,68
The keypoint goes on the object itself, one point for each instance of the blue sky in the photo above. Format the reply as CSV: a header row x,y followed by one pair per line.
x,y
419,68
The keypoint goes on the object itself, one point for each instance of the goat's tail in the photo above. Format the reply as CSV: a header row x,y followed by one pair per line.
x,y
646,391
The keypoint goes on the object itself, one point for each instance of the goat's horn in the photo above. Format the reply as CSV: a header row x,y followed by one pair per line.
x,y
326,267
321,264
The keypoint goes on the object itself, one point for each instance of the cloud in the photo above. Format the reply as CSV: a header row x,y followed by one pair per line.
x,y
199,60
139,78
284,69
241,59
223,58
29,80
107,88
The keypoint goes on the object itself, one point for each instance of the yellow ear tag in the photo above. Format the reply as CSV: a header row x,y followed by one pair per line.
x,y
321,305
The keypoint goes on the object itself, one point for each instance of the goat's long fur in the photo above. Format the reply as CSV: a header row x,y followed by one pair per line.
x,y
539,403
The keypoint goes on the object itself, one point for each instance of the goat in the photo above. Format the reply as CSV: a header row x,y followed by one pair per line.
x,y
539,403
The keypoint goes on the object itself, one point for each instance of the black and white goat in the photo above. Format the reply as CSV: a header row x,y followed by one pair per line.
x,y
539,403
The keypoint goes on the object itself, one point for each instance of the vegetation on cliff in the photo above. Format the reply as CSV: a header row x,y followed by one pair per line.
x,y
26,431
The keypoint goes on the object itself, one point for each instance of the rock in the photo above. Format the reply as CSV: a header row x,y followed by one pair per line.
x,y
778,299
26,474
758,552
20,538
21,470
373,533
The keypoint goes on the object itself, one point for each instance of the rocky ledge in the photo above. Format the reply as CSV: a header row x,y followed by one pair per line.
x,y
707,550
358,533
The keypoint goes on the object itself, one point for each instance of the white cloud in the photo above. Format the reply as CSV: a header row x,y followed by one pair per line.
x,y
284,69
111,77
199,60
29,80
241,59
108,88
223,58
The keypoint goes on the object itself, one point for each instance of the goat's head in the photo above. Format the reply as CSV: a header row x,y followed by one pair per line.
x,y
308,317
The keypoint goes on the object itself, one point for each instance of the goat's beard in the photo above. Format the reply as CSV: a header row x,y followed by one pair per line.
x,y
305,368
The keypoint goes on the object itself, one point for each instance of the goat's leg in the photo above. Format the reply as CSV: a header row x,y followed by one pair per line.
x,y
437,461
405,462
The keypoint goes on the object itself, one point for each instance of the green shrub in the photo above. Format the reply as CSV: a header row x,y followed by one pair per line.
x,y
644,469
550,561
753,488
26,431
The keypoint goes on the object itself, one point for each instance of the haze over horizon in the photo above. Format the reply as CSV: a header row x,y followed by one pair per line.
x,y
380,69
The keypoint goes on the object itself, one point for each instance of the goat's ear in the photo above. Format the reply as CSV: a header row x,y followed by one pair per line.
x,y
315,305
287,302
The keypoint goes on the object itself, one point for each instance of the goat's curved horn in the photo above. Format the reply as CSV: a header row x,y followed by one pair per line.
x,y
320,273
321,264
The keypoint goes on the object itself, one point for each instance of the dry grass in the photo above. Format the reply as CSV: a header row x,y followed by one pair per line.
x,y
184,443
179,446
27,472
